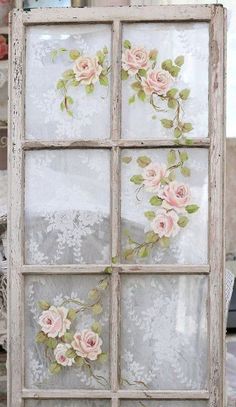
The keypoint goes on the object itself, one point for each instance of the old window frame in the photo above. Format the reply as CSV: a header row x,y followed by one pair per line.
x,y
19,20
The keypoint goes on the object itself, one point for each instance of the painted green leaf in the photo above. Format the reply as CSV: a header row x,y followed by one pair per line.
x,y
126,160
191,208
183,155
174,71
74,83
103,285
89,88
70,113
103,357
54,368
53,55
164,180
185,171
183,221
97,309
142,72
136,86
155,200
167,64
179,60
165,241
141,95
96,327
44,305
71,353
150,215
71,314
172,103
168,124
171,157
62,106
184,94
153,54
143,161
60,84
69,100
187,127
131,99
103,80
114,259
144,252
105,50
151,237
189,141
69,74
177,132
79,361
74,54
124,74
108,270
172,92
127,44
137,179
51,343
68,337
101,57
41,337
93,294
128,254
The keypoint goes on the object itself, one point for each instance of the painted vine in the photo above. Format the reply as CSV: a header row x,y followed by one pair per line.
x,y
170,201
66,346
153,82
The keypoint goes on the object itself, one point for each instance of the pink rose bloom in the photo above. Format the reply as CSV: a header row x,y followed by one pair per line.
x,y
152,176
60,354
176,194
134,59
165,223
87,70
3,47
54,322
4,1
157,81
87,344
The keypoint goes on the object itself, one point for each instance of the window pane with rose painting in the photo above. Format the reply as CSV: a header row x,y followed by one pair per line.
x,y
165,80
69,100
164,206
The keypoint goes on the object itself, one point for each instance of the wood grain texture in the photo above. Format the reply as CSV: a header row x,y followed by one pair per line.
x,y
15,244
216,233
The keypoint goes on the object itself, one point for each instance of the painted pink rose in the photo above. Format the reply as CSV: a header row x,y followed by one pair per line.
x,y
87,344
157,81
4,1
165,223
3,47
134,59
87,70
176,194
152,176
60,354
54,322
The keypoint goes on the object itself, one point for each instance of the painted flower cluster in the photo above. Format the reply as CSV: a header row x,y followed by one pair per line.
x,y
65,344
170,201
3,47
86,71
155,84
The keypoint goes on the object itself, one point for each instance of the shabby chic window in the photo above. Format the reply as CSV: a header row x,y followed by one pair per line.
x,y
116,216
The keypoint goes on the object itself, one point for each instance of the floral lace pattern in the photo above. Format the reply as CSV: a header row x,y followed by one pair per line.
x,y
164,206
64,219
67,332
76,52
169,326
156,99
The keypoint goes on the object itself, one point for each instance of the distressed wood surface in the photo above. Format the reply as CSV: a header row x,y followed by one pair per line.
x,y
57,144
108,14
216,234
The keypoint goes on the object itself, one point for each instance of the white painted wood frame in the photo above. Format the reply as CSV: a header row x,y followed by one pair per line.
x,y
17,145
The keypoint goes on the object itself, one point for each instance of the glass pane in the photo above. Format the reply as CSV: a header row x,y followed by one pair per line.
x,y
67,206
164,332
159,58
164,206
67,332
68,82
164,403
70,403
